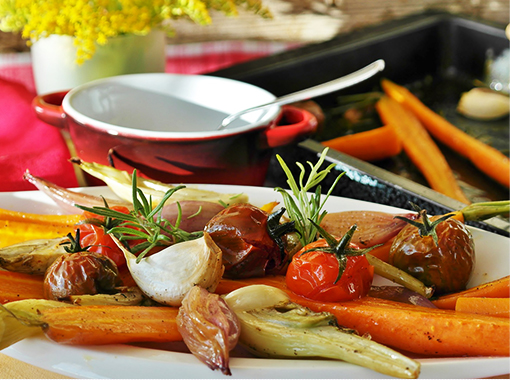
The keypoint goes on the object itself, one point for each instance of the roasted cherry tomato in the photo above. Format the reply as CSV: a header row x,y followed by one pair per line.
x,y
80,273
314,274
248,249
95,237
445,264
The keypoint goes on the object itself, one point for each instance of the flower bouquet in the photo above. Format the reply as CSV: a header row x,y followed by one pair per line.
x,y
93,22
76,41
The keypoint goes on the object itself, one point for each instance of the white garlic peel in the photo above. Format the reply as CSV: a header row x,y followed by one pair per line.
x,y
168,275
484,104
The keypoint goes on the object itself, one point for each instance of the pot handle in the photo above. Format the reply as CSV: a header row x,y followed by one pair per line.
x,y
294,124
48,108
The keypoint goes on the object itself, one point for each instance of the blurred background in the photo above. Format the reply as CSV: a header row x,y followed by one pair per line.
x,y
309,21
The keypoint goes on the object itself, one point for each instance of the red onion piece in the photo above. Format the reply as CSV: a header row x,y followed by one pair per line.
x,y
68,199
195,214
400,294
209,328
374,227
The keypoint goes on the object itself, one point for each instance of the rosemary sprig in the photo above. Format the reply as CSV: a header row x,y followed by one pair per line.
x,y
145,223
302,207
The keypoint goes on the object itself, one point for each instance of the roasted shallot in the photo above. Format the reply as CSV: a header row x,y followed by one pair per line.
x,y
209,328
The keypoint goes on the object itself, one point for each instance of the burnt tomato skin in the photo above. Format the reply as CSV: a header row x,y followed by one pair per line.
x,y
446,266
80,273
240,231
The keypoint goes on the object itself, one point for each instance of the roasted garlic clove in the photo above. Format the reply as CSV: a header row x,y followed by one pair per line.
x,y
209,328
484,104
33,256
168,275
273,326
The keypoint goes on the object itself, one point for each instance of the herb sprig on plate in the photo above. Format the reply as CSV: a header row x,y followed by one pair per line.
x,y
145,223
302,206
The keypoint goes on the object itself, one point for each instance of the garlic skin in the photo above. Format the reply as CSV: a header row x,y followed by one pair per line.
x,y
167,276
483,104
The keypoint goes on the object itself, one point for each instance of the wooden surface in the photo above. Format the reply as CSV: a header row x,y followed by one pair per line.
x,y
312,20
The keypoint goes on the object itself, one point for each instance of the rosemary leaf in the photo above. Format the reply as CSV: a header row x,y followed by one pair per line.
x,y
303,207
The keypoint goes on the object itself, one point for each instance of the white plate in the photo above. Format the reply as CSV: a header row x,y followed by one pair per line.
x,y
126,361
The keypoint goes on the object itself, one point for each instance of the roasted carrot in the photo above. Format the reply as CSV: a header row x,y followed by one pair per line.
x,y
420,148
421,330
382,252
373,145
16,226
486,158
111,324
499,288
19,286
497,307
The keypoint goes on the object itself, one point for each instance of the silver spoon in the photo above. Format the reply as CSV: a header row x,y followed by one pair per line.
x,y
312,92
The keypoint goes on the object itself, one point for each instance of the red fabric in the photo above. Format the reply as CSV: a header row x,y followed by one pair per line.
x,y
28,143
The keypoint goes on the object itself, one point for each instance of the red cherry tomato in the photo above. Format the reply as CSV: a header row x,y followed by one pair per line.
x,y
313,275
100,242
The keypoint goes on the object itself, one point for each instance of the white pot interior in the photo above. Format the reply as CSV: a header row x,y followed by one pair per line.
x,y
167,105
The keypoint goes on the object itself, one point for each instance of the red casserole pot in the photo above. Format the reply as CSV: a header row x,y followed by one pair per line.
x,y
166,126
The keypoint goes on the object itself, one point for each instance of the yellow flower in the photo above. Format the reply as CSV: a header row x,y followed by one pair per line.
x,y
94,22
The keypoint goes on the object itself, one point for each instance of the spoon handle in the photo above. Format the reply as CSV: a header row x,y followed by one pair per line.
x,y
312,92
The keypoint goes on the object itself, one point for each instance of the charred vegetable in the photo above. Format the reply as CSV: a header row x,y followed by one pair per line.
x,y
80,273
440,253
241,232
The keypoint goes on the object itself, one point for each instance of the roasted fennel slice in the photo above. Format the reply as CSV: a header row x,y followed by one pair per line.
x,y
120,182
132,296
273,326
32,256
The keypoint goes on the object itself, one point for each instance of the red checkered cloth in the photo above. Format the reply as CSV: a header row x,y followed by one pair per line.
x,y
28,143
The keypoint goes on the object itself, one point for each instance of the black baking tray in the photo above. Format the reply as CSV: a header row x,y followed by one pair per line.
x,y
438,56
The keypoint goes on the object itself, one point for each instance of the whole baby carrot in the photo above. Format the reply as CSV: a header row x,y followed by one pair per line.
x,y
486,158
420,148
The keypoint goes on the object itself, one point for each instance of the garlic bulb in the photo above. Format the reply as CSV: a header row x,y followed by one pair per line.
x,y
483,104
168,275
